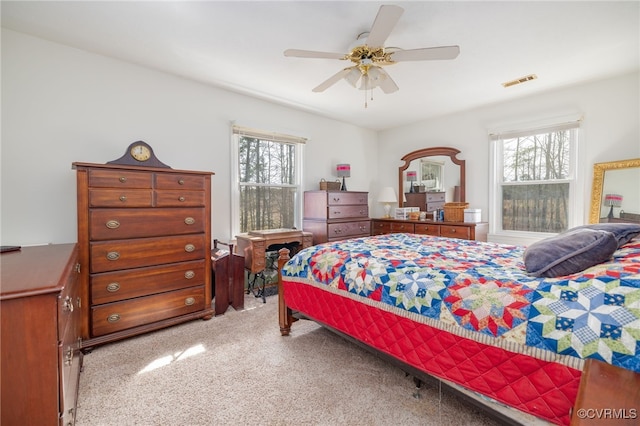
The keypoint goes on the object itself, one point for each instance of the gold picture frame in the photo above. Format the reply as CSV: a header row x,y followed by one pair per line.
x,y
599,170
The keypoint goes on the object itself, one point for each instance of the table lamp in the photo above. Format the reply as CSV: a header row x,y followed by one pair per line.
x,y
613,200
412,177
387,196
344,170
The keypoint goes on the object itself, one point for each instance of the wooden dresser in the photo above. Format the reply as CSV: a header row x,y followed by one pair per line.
x,y
145,240
462,230
426,201
41,356
336,215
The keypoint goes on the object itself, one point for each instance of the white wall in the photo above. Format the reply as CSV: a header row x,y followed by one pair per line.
x,y
61,105
611,131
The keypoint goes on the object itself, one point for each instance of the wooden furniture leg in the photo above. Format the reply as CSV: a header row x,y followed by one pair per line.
x,y
284,313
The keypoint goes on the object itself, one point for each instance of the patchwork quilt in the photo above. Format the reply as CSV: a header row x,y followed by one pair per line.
x,y
481,291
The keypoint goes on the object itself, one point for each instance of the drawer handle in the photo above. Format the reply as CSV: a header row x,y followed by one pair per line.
x,y
123,198
180,181
189,220
189,301
453,231
181,199
68,358
113,255
363,213
123,179
67,305
113,224
113,318
337,231
336,199
113,287
189,248
189,274
363,228
338,212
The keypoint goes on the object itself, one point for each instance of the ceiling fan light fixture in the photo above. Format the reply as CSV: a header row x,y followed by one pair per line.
x,y
369,56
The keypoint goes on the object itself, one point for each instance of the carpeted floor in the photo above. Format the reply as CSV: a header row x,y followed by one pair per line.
x,y
236,369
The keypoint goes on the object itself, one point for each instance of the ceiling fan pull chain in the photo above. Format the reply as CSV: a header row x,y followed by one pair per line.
x,y
365,90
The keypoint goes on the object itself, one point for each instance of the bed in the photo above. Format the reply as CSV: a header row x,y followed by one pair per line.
x,y
473,314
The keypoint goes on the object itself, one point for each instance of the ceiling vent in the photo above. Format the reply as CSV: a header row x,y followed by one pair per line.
x,y
520,80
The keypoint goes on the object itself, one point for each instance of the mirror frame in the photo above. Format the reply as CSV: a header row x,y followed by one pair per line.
x,y
431,152
598,183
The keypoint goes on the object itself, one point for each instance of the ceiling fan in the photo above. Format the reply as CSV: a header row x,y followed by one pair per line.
x,y
369,55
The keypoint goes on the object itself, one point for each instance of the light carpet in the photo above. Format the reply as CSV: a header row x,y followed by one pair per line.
x,y
237,369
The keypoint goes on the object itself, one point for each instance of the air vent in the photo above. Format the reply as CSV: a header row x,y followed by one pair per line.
x,y
520,80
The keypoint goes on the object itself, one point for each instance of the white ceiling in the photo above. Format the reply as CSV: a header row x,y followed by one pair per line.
x,y
239,46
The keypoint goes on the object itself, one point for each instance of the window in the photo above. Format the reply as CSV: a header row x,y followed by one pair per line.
x,y
267,184
534,180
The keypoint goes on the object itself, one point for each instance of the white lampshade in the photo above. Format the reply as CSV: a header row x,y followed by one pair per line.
x,y
387,196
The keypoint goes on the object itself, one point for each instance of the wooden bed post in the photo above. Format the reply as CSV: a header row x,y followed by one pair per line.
x,y
284,313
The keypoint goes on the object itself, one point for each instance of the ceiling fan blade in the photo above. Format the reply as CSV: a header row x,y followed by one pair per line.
x,y
386,84
313,54
384,23
333,80
426,54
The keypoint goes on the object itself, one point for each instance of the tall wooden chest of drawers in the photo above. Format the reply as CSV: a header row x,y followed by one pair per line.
x,y
145,237
336,215
40,336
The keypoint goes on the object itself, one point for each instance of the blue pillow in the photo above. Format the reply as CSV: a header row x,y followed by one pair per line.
x,y
624,232
569,252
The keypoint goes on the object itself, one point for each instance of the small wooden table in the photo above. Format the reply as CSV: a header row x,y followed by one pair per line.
x,y
607,395
255,244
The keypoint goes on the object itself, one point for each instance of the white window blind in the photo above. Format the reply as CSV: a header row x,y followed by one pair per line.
x,y
266,180
271,136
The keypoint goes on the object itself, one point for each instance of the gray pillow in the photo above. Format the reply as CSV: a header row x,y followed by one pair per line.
x,y
570,252
624,232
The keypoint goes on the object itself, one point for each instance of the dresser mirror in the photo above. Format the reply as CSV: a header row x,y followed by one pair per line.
x,y
614,194
436,169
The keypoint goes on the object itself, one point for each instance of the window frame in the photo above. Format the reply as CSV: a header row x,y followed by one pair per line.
x,y
575,179
298,142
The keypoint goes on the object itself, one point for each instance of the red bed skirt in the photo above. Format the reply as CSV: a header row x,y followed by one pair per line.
x,y
544,389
